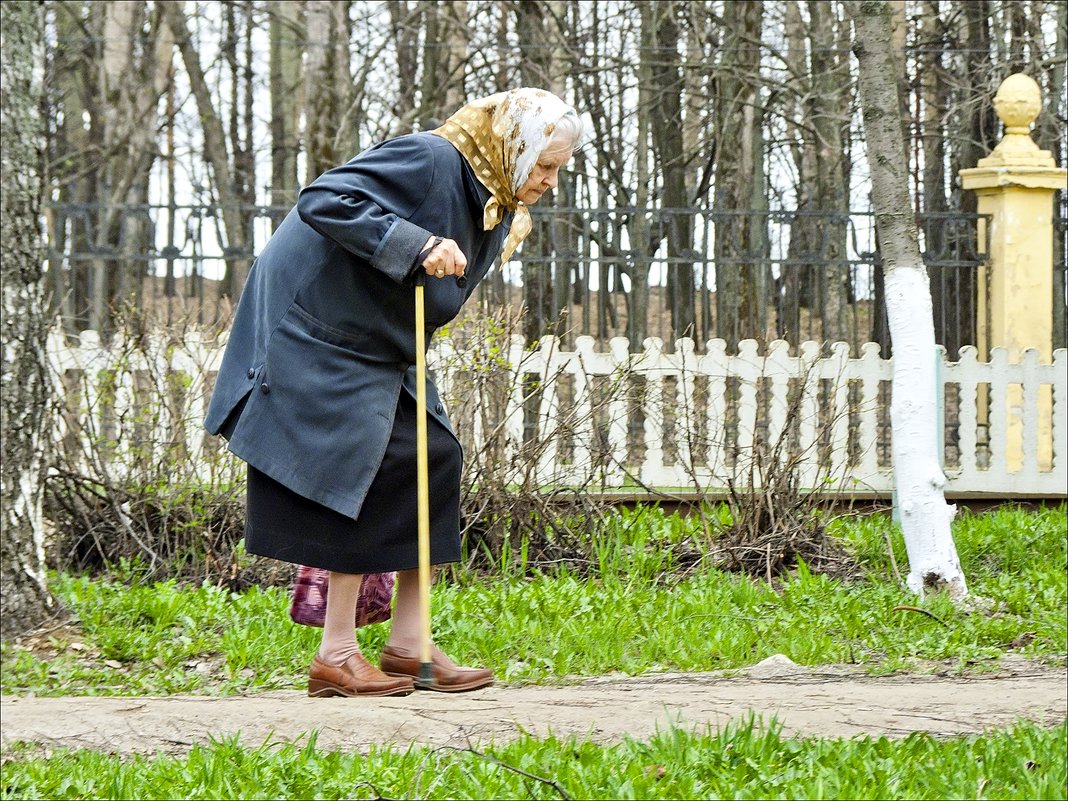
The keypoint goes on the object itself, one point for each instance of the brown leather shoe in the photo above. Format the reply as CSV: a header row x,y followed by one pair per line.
x,y
356,676
448,677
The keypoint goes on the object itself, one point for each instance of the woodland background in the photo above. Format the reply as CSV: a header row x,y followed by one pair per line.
x,y
722,191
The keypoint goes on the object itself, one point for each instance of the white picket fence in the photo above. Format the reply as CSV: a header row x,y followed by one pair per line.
x,y
624,422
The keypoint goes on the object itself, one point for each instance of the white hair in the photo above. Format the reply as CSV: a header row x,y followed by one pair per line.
x,y
568,132
542,122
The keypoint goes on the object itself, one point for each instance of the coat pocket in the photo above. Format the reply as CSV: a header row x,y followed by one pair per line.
x,y
354,341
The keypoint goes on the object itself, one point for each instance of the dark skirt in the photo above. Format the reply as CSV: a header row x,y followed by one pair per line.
x,y
284,525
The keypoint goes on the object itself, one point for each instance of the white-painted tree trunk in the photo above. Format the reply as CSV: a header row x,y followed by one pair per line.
x,y
918,475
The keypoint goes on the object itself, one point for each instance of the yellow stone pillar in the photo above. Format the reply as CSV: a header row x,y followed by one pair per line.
x,y
1015,185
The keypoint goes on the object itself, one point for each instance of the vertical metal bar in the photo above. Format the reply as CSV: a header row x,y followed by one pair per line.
x,y
169,281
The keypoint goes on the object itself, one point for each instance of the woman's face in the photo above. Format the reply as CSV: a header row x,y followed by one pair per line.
x,y
546,173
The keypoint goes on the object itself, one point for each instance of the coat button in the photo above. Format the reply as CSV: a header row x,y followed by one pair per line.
x,y
439,409
251,373
264,388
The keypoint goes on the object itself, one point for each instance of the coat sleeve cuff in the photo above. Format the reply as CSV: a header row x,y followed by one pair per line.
x,y
396,253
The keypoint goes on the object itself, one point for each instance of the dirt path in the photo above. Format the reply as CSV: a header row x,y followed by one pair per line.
x,y
825,701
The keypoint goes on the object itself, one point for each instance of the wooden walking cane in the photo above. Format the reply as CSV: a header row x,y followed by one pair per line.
x,y
426,667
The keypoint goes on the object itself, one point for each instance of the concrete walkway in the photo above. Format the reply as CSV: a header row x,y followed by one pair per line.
x,y
834,701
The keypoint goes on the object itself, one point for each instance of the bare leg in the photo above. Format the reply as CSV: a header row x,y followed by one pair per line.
x,y
405,634
339,629
401,656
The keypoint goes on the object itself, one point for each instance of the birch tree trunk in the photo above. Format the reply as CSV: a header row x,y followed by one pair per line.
x,y
536,31
898,41
404,23
563,227
73,81
639,267
828,107
696,146
1050,136
116,64
667,81
741,285
948,307
456,41
973,131
287,35
214,153
325,94
793,288
24,384
132,79
444,60
918,477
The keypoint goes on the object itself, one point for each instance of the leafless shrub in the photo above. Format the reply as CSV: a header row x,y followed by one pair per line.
x,y
777,512
134,480
512,503
549,495
771,487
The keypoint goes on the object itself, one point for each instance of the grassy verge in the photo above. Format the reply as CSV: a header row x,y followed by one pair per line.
x,y
632,613
742,761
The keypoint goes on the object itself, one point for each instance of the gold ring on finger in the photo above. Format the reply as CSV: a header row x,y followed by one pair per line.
x,y
440,273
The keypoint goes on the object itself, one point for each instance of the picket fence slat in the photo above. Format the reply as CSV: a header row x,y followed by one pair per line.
x,y
809,414
966,376
610,418
1059,382
869,371
716,367
839,365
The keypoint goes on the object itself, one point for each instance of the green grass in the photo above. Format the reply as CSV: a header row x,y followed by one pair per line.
x,y
741,761
626,616
630,613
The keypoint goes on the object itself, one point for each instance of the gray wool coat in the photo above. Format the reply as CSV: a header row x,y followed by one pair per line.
x,y
323,340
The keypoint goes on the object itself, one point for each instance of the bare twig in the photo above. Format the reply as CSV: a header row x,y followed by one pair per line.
x,y
470,749
893,561
921,611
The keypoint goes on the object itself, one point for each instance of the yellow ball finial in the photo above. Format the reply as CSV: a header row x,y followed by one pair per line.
x,y
1018,103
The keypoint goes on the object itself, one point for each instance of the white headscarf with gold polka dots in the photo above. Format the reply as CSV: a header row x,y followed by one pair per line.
x,y
501,137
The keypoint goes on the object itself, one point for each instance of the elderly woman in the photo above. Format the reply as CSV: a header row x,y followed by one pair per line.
x,y
316,391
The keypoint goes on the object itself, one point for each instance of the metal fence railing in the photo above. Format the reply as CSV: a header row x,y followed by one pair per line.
x,y
598,271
